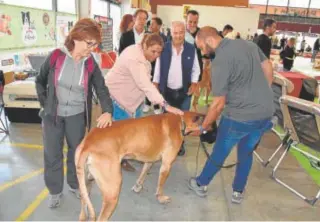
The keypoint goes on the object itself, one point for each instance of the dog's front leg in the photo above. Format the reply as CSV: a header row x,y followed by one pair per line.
x,y
164,173
139,183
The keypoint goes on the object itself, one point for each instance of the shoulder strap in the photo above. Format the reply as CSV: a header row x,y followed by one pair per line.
x,y
54,57
90,64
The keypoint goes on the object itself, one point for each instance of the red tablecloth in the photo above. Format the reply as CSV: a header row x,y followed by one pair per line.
x,y
296,78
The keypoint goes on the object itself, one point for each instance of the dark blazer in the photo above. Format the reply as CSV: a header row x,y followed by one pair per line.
x,y
126,40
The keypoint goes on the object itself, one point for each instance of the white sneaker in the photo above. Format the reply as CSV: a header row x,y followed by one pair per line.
x,y
146,108
157,111
237,197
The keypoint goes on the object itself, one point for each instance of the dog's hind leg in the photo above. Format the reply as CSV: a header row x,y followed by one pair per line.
x,y
139,183
107,173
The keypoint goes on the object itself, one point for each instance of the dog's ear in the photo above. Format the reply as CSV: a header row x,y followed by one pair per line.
x,y
197,117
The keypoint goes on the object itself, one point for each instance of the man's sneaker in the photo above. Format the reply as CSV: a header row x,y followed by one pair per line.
x,y
201,191
146,108
237,197
54,200
76,192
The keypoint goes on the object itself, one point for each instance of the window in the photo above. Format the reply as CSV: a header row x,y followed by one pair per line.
x,y
278,2
299,3
99,7
115,14
314,10
43,4
68,6
315,4
257,2
298,7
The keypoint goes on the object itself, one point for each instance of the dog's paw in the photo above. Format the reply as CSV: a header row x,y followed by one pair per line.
x,y
137,188
164,199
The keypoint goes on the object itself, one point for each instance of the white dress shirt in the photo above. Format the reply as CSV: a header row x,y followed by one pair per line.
x,y
175,70
137,37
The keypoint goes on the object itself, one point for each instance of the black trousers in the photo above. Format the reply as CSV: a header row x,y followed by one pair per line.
x,y
71,127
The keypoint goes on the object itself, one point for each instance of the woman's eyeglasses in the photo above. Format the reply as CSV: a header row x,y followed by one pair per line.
x,y
91,44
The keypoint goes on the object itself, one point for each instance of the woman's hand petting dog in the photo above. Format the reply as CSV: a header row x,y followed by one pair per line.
x,y
104,120
174,110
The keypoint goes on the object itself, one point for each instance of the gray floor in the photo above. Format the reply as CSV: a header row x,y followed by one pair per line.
x,y
26,198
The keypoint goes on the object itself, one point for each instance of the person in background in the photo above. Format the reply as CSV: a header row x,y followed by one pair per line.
x,y
66,104
226,29
135,35
192,29
275,42
155,27
264,41
283,42
302,46
126,25
288,54
316,47
129,82
238,36
177,71
255,38
168,34
241,86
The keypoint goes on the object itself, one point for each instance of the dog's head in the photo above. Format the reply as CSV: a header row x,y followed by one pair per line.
x,y
192,121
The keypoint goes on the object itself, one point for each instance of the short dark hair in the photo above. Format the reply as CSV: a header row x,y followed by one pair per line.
x,y
268,23
140,11
193,12
158,21
227,27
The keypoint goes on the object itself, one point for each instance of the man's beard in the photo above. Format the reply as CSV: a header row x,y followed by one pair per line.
x,y
209,50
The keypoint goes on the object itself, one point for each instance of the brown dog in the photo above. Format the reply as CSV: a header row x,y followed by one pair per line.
x,y
146,139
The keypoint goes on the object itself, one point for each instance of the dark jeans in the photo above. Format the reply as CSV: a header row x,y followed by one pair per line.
x,y
182,102
230,133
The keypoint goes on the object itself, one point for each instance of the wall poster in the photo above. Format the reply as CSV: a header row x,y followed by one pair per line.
x,y
22,27
107,32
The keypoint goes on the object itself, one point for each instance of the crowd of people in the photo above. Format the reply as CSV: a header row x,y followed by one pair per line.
x,y
160,71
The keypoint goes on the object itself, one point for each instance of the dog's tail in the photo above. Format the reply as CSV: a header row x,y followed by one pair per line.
x,y
81,156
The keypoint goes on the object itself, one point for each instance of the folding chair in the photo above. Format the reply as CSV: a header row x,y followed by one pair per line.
x,y
280,86
302,119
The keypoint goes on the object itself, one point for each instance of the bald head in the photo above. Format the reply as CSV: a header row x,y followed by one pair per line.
x,y
206,32
208,39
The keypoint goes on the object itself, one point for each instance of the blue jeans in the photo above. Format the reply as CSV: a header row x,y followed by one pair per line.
x,y
230,133
120,114
185,106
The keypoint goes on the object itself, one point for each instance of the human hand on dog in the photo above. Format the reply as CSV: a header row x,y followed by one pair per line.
x,y
104,120
173,110
194,89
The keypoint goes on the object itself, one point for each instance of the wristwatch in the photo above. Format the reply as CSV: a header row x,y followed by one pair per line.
x,y
202,131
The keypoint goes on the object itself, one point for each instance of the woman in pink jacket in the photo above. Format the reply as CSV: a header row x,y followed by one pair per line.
x,y
129,81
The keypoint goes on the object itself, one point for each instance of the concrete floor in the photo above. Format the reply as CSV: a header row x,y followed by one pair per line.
x,y
24,197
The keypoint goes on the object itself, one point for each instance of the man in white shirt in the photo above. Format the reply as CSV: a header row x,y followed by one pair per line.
x,y
177,70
